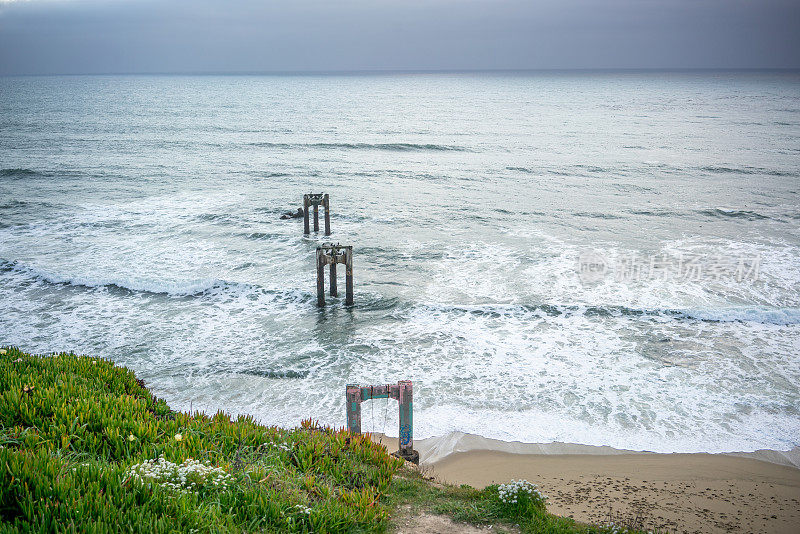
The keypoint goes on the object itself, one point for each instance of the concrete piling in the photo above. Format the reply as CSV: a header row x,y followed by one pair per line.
x,y
326,202
334,289
405,397
306,230
320,278
353,399
348,278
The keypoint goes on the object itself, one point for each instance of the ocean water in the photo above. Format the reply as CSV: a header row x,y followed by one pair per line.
x,y
599,258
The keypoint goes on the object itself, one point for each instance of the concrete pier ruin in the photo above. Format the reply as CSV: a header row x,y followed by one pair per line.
x,y
403,393
329,254
315,200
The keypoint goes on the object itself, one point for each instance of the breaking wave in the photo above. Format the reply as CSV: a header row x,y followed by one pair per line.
x,y
745,170
396,147
18,172
176,288
734,214
752,314
379,303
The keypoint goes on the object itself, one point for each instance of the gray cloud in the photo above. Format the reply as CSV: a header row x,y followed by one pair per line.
x,y
94,36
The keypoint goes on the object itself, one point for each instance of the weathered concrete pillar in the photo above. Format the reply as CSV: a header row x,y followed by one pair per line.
x,y
326,202
334,289
316,217
353,401
305,215
348,292
406,440
320,277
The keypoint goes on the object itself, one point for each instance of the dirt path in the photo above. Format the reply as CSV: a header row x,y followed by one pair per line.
x,y
408,522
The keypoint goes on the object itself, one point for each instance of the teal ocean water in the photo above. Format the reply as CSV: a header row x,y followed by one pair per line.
x,y
600,258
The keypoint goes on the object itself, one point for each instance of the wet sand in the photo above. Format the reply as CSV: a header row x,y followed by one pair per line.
x,y
670,492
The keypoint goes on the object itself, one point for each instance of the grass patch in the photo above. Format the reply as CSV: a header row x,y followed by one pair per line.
x,y
527,513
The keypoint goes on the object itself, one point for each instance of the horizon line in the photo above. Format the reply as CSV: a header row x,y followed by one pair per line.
x,y
356,72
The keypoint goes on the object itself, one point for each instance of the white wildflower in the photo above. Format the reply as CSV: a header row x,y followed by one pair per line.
x,y
190,475
511,492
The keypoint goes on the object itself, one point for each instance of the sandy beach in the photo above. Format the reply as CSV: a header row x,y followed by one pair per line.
x,y
714,493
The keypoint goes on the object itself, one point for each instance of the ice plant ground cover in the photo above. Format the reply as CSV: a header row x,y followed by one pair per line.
x,y
86,444
85,447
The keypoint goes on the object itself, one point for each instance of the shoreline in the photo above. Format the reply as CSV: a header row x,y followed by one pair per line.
x,y
674,492
435,449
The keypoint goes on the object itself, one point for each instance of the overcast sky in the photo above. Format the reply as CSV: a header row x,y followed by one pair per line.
x,y
130,36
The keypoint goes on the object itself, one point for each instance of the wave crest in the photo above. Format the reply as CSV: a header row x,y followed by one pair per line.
x,y
17,172
750,314
734,214
155,287
372,302
396,147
